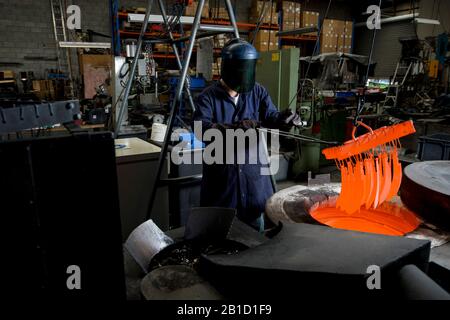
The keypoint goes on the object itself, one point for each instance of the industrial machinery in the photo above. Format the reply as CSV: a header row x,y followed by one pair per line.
x,y
278,72
145,91
17,116
64,231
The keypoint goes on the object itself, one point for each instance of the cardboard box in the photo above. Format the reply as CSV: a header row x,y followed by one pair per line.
x,y
266,40
288,25
348,36
261,42
288,11
192,9
163,47
273,40
310,19
336,36
270,14
298,16
7,75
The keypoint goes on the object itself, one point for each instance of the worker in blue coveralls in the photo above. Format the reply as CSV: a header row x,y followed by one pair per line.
x,y
237,102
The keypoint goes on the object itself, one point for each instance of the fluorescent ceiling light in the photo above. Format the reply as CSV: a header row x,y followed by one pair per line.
x,y
427,21
86,45
157,18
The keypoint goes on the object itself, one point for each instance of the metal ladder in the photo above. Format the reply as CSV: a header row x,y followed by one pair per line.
x,y
183,66
63,54
398,80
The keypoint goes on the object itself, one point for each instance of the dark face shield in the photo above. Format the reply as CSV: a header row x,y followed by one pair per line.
x,y
239,74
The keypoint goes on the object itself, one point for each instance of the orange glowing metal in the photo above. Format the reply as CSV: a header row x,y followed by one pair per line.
x,y
388,219
370,169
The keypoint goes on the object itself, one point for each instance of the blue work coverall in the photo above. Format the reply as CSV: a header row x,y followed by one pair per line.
x,y
231,185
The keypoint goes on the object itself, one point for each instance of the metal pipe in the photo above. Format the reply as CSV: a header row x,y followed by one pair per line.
x,y
202,35
416,285
155,18
132,71
212,27
297,136
175,50
297,31
232,18
175,103
92,45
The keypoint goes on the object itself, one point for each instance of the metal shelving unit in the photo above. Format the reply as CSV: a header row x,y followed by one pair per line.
x,y
119,33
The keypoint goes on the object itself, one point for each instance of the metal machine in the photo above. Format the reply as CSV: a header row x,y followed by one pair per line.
x,y
278,72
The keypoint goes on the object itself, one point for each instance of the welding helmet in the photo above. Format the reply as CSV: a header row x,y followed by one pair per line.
x,y
239,65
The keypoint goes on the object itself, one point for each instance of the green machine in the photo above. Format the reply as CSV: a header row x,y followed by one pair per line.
x,y
277,71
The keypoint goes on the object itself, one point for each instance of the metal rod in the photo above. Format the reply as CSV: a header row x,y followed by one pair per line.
x,y
298,136
297,31
132,71
232,18
202,35
266,152
175,50
175,103
211,27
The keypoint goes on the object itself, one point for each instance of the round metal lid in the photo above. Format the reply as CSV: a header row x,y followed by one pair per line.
x,y
433,175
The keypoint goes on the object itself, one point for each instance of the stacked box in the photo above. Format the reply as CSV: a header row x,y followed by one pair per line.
x,y
270,15
289,16
163,47
273,40
336,36
328,43
298,16
266,40
192,9
348,38
219,13
261,41
310,19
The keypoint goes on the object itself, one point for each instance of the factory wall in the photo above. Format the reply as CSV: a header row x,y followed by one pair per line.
x,y
387,50
437,10
27,40
26,35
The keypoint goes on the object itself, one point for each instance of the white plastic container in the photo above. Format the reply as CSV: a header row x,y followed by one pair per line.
x,y
158,132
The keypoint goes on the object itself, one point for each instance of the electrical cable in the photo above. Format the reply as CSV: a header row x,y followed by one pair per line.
x,y
300,90
362,100
260,19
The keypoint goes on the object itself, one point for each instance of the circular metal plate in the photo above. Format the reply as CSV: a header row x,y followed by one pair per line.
x,y
433,175
425,190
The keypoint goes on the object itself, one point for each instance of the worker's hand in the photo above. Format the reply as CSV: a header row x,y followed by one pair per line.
x,y
248,124
288,118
